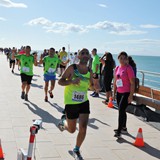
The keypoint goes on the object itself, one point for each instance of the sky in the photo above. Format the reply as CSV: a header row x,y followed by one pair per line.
x,y
108,25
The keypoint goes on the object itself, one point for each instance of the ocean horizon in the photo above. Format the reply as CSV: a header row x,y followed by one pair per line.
x,y
146,63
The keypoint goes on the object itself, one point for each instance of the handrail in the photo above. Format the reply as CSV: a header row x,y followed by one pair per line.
x,y
152,77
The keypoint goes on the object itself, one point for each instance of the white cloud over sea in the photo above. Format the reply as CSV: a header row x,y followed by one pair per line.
x,y
62,27
11,4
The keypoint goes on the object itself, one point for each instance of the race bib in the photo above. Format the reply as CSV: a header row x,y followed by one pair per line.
x,y
25,69
51,70
119,83
64,58
78,96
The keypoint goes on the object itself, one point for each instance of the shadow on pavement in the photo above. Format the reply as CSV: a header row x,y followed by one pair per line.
x,y
147,149
36,85
56,106
93,120
44,115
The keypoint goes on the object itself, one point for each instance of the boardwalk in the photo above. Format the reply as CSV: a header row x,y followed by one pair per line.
x,y
16,117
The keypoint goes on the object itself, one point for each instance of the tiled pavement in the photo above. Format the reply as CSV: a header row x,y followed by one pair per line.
x,y
16,117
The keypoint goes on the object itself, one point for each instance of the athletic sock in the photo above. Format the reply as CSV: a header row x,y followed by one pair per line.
x,y
76,149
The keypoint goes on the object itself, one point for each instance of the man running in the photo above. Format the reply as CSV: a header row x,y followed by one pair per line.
x,y
13,59
50,63
27,60
63,57
96,72
76,80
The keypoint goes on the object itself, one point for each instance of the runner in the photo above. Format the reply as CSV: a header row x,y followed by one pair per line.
x,y
13,59
63,57
50,63
27,60
96,72
76,80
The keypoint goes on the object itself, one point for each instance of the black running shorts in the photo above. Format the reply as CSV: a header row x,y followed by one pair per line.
x,y
74,110
61,66
26,78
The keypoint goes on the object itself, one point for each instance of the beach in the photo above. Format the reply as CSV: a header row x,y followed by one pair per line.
x,y
17,115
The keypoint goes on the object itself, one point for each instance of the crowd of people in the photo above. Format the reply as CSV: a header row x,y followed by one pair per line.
x,y
78,73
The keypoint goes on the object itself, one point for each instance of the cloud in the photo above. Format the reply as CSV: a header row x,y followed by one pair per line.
x,y
150,26
40,21
57,27
10,4
116,28
102,5
2,19
62,27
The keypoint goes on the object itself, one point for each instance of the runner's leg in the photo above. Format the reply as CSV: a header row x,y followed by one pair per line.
x,y
83,121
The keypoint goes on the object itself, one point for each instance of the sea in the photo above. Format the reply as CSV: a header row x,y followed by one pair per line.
x,y
149,66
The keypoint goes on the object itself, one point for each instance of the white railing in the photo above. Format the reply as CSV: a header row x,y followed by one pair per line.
x,y
151,79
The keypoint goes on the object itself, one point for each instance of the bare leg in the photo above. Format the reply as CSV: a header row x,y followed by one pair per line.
x,y
46,88
83,121
70,125
52,85
27,88
96,85
24,84
108,94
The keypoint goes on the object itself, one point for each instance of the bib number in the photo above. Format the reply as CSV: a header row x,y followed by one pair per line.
x,y
119,83
78,96
51,70
64,58
25,69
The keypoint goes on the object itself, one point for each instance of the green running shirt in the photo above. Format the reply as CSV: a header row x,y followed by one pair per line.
x,y
50,64
26,64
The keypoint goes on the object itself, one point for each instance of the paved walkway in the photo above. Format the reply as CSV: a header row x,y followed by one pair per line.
x,y
16,117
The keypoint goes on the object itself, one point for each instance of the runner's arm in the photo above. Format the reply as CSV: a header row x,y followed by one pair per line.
x,y
67,77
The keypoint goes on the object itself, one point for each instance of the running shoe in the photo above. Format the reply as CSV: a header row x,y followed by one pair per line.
x,y
26,97
61,126
95,95
124,130
106,101
117,134
23,95
92,94
77,155
50,93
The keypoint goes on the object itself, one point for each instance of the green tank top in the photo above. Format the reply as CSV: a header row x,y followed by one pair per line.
x,y
74,94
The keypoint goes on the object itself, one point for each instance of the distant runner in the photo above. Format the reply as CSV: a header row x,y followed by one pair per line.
x,y
27,60
76,80
12,59
50,63
63,57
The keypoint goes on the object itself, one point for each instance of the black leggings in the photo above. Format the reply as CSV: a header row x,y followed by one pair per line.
x,y
122,101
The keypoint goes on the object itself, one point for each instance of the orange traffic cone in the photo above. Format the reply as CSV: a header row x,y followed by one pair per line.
x,y
110,103
1,152
139,139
